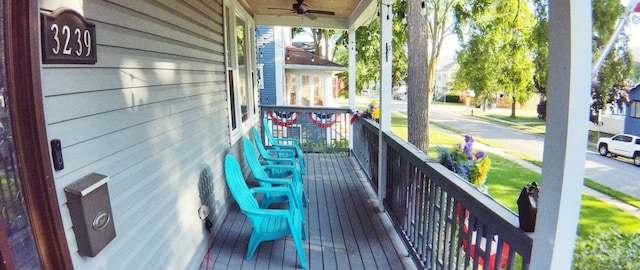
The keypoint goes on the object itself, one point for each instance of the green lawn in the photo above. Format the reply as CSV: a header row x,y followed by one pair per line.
x,y
506,179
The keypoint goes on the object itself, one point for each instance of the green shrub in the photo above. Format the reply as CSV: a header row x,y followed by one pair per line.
x,y
454,98
607,249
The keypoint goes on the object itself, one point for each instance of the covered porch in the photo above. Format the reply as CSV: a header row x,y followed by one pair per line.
x,y
430,215
344,227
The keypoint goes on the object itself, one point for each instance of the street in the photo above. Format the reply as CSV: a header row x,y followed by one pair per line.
x,y
617,173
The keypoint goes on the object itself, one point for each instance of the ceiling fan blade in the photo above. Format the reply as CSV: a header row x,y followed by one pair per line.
x,y
310,16
287,13
280,8
323,12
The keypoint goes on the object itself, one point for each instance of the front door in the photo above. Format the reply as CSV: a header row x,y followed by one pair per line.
x,y
31,231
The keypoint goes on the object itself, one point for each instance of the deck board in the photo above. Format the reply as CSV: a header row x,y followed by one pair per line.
x,y
344,228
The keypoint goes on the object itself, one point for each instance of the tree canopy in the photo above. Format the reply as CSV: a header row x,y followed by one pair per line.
x,y
496,57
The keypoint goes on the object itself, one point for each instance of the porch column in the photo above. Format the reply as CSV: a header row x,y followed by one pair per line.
x,y
566,137
352,76
386,57
352,69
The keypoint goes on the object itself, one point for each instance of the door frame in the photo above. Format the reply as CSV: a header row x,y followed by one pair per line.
x,y
27,116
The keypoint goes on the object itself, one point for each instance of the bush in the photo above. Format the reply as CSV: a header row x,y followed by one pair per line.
x,y
607,249
452,98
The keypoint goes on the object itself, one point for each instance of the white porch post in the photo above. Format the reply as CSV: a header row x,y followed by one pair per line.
x,y
565,142
352,76
386,58
352,68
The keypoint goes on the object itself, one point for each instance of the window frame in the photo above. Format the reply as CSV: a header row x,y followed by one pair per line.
x,y
234,12
634,109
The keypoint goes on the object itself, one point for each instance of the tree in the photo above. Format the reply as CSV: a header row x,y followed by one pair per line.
x,y
540,49
320,38
495,55
616,68
368,51
425,36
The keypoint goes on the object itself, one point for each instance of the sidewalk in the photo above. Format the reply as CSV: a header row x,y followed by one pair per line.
x,y
585,190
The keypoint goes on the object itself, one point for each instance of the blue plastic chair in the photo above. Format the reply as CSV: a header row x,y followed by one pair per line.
x,y
268,224
274,156
259,173
285,143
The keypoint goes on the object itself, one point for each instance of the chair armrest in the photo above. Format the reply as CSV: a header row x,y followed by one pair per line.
x,y
276,181
281,213
276,191
280,160
291,168
281,152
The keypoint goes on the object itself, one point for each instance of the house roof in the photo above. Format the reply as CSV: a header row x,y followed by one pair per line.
x,y
299,59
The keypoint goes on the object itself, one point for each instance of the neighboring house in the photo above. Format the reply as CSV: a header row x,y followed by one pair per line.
x,y
447,67
309,80
632,121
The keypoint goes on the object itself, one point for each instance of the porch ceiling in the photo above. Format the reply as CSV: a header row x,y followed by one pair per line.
x,y
348,13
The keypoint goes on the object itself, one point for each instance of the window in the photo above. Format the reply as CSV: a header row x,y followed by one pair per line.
x,y
307,90
634,109
241,69
290,94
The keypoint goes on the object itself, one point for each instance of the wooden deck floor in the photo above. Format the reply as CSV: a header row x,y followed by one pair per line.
x,y
344,228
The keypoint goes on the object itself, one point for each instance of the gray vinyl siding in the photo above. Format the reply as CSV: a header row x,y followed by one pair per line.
x,y
151,115
265,37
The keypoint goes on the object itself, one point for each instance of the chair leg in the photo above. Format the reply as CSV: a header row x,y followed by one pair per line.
x,y
299,248
254,241
303,169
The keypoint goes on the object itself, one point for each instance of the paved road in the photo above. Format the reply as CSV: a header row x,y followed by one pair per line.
x,y
619,174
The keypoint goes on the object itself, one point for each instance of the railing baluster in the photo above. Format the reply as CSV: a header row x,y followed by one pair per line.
x,y
439,212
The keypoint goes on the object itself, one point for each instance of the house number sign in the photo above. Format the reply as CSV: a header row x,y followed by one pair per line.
x,y
67,38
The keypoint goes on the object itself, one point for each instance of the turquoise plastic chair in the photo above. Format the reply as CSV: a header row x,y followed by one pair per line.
x,y
274,156
285,143
259,173
268,224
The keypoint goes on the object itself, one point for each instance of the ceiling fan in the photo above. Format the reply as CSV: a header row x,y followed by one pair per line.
x,y
303,9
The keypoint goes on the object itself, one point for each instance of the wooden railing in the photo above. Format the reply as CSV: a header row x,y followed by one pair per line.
x,y
319,129
446,221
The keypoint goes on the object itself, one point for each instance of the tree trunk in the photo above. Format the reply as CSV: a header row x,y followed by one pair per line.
x,y
326,44
417,78
513,106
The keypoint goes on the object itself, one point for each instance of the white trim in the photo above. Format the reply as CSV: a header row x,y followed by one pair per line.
x,y
251,84
565,143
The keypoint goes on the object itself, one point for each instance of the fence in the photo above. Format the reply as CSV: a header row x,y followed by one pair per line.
x,y
447,222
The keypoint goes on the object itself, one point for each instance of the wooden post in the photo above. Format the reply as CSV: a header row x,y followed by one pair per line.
x,y
566,137
386,58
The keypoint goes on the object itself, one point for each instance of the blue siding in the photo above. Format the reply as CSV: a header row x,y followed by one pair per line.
x,y
632,125
267,56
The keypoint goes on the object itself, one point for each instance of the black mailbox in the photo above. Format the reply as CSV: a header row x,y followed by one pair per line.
x,y
528,207
90,209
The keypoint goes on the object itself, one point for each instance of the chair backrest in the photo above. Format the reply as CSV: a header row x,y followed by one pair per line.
x,y
253,161
267,131
237,185
259,144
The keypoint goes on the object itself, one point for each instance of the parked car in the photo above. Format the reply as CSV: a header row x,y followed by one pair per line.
x,y
400,93
623,145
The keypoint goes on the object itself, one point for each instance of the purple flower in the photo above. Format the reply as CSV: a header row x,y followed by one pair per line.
x,y
468,139
468,151
480,154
